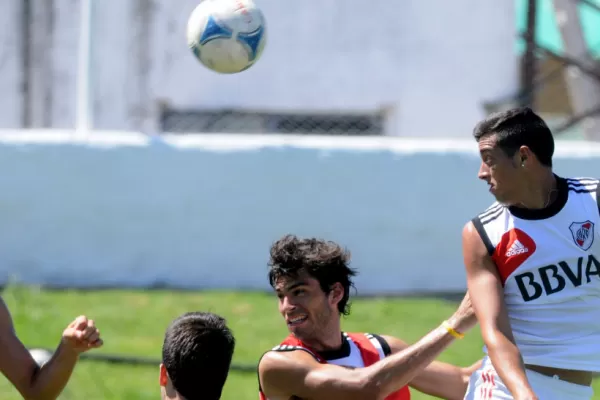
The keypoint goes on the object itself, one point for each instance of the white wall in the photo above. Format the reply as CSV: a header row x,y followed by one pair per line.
x,y
10,64
201,212
419,59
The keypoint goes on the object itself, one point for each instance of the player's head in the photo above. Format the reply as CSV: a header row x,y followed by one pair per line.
x,y
196,357
312,280
515,146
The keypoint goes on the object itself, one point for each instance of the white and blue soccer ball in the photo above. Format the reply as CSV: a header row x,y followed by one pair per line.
x,y
227,36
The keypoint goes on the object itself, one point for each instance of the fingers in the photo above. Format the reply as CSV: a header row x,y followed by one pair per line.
x,y
80,322
94,336
87,330
96,344
83,334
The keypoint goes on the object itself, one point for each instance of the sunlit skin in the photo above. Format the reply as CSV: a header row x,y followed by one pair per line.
x,y
310,314
520,180
517,181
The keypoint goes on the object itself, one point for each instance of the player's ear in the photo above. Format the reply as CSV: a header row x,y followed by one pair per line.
x,y
336,293
523,154
163,377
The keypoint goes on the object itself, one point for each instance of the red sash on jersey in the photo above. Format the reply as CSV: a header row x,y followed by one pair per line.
x,y
369,354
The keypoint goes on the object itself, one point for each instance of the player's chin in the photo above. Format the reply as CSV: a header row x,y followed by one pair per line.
x,y
499,196
298,328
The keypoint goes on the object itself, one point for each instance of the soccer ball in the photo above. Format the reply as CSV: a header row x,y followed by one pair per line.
x,y
227,36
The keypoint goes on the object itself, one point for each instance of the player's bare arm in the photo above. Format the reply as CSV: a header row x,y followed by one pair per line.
x,y
47,382
297,373
486,292
438,379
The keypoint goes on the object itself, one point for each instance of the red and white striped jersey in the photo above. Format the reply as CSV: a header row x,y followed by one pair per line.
x,y
358,350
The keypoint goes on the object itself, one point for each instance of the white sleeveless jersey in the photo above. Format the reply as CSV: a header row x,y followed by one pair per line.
x,y
549,262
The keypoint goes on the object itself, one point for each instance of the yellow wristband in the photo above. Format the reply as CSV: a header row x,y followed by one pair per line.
x,y
452,331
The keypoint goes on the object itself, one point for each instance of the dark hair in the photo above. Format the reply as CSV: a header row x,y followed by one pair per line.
x,y
519,127
323,260
197,353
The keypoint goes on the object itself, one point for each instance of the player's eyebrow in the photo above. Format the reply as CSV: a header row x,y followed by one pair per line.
x,y
296,285
291,286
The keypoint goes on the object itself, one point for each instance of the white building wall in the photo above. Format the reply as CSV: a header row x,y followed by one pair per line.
x,y
415,58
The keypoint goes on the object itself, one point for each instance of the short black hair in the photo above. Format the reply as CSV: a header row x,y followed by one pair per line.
x,y
325,261
519,127
197,352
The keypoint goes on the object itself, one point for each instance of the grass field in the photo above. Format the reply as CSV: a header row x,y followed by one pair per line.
x,y
133,323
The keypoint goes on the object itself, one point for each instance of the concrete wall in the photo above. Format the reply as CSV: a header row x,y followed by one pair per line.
x,y
417,59
201,212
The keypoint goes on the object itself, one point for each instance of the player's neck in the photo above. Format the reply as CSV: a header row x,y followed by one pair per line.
x,y
541,191
330,338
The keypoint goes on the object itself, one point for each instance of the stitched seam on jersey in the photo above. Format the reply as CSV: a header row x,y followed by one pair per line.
x,y
483,235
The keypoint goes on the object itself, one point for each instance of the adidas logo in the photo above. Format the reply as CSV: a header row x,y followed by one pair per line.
x,y
516,248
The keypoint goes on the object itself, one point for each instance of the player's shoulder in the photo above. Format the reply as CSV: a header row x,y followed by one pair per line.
x,y
582,184
286,358
289,349
476,232
291,344
585,187
281,365
478,224
285,347
489,214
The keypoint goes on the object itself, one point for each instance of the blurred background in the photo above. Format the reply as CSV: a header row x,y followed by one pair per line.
x,y
138,185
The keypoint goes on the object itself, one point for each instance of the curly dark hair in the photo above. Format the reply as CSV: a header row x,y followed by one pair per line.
x,y
325,261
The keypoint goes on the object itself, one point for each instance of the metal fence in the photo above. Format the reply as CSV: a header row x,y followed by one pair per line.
x,y
560,68
236,121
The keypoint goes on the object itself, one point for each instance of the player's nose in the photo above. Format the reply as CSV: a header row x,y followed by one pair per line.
x,y
484,172
287,305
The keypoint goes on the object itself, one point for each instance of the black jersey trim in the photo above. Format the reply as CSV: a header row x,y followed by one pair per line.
x,y
384,344
478,225
343,352
543,213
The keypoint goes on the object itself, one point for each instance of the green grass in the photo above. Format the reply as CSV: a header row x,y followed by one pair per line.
x,y
133,323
